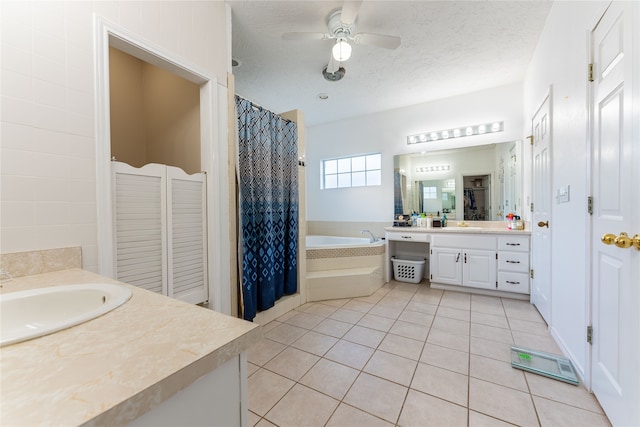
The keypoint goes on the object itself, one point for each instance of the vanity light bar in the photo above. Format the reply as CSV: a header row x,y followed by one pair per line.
x,y
438,168
492,127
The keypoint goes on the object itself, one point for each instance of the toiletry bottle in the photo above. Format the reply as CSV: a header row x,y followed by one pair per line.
x,y
444,219
510,221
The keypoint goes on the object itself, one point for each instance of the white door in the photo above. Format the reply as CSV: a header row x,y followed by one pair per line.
x,y
615,183
541,231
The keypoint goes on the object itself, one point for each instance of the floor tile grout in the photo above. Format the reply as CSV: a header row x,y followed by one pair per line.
x,y
452,302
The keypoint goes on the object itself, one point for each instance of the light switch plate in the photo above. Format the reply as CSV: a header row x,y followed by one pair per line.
x,y
562,194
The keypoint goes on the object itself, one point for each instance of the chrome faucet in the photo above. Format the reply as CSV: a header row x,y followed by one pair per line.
x,y
373,238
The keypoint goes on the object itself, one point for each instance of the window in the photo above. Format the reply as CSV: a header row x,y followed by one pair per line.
x,y
357,171
430,193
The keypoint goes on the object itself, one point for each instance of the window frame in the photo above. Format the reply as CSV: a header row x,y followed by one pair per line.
x,y
342,176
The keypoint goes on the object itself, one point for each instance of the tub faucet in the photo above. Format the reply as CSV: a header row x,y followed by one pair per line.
x,y
373,238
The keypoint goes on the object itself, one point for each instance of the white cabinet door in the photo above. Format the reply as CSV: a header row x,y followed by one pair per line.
x,y
446,266
479,269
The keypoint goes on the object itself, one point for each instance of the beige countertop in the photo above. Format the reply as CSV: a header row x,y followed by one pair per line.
x,y
485,228
112,369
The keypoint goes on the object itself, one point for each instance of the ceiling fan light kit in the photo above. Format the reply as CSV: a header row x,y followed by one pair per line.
x,y
341,50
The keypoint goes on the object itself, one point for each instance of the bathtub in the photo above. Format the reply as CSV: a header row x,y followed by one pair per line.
x,y
317,242
343,267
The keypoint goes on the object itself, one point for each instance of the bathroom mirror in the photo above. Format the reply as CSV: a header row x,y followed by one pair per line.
x,y
472,183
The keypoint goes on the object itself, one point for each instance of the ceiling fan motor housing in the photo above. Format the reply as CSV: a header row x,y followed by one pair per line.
x,y
338,28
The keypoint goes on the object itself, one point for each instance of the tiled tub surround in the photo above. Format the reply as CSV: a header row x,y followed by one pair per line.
x,y
344,272
409,355
116,367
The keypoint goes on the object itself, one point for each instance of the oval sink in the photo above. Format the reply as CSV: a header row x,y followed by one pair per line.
x,y
29,314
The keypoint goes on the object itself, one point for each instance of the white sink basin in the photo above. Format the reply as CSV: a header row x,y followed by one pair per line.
x,y
29,314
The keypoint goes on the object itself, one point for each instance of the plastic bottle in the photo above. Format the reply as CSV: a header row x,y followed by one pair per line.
x,y
444,219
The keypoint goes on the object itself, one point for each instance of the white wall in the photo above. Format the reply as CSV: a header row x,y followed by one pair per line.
x,y
387,133
48,169
560,60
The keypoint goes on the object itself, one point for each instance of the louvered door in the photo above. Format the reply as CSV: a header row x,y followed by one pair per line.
x,y
186,235
160,227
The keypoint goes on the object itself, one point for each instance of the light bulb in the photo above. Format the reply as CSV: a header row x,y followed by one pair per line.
x,y
341,50
482,129
469,131
495,127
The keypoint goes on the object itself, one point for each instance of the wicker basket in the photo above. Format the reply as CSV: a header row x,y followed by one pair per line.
x,y
408,270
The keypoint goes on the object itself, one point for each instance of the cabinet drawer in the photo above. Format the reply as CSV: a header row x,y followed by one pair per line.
x,y
513,243
464,241
513,282
408,237
513,261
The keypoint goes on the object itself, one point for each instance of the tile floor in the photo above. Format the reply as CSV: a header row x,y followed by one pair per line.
x,y
409,355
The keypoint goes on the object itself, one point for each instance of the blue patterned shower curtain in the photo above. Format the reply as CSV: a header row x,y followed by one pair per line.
x,y
268,181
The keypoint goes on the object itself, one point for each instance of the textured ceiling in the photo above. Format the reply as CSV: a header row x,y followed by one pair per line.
x,y
448,48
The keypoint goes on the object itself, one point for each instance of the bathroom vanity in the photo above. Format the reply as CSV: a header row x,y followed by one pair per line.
x,y
489,259
152,361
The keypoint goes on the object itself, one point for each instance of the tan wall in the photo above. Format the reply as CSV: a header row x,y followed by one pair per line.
x,y
155,115
172,119
127,108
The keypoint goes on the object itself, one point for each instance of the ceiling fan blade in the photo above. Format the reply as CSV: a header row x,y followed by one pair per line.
x,y
305,36
379,40
350,11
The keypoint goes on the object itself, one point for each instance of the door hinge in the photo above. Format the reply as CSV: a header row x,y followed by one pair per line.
x,y
590,72
431,251
496,255
431,276
590,205
590,334
531,273
531,206
530,138
496,284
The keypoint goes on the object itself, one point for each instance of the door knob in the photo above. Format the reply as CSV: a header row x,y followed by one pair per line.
x,y
622,241
543,224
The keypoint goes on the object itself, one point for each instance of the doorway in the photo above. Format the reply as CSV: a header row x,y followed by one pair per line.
x,y
213,157
154,114
477,197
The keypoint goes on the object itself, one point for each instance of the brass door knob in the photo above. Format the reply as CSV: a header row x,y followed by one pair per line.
x,y
543,224
623,241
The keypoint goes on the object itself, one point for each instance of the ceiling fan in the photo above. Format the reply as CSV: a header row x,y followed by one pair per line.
x,y
341,25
